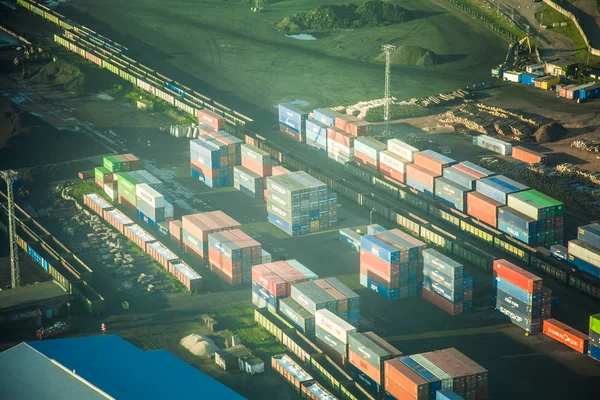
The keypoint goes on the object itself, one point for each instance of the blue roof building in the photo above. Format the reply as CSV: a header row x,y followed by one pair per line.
x,y
124,371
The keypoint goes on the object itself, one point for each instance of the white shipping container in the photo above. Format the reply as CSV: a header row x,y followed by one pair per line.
x,y
512,76
338,148
393,161
333,325
151,196
169,210
495,145
110,192
404,150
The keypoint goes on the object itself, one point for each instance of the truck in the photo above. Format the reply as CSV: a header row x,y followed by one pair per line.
x,y
58,328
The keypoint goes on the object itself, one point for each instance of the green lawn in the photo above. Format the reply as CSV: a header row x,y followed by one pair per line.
x,y
552,16
492,13
83,187
238,51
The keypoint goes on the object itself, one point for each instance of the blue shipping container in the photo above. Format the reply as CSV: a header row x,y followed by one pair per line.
x,y
380,249
435,383
590,93
421,187
263,294
325,116
351,239
446,394
450,193
517,233
440,157
448,294
441,278
518,319
468,281
371,284
527,79
292,113
498,187
516,219
443,263
331,341
364,381
594,352
146,219
316,134
513,290
584,266
515,304
37,258
459,177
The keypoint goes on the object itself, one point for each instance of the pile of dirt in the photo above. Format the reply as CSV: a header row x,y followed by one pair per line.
x,y
199,345
10,122
63,74
412,55
549,133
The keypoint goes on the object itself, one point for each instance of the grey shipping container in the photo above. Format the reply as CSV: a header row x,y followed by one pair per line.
x,y
298,316
353,298
312,297
443,263
590,234
368,349
331,341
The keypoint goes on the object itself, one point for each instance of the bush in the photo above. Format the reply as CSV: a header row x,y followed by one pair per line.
x,y
397,111
344,16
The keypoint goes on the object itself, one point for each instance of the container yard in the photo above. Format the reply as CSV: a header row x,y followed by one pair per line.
x,y
413,250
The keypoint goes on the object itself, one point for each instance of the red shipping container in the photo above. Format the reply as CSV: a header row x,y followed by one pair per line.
x,y
363,159
441,303
421,174
366,367
257,168
212,173
278,170
211,119
566,335
483,208
376,264
471,172
269,280
390,172
396,390
339,136
529,156
456,369
406,378
352,125
430,163
393,283
297,136
518,276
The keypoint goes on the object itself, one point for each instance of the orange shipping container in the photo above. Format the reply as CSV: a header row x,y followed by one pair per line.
x,y
430,163
396,390
483,208
378,265
341,137
566,335
407,379
211,119
529,156
421,174
363,365
276,171
352,125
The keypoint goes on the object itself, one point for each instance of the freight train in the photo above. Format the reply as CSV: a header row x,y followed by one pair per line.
x,y
113,57
78,39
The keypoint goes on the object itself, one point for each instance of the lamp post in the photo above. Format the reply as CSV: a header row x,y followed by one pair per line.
x,y
371,216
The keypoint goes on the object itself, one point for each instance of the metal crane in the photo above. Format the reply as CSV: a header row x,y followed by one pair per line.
x,y
387,49
10,177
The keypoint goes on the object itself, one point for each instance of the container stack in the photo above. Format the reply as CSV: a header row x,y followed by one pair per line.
x,y
390,264
326,116
584,252
427,166
450,192
367,354
152,207
422,376
445,283
474,170
249,178
328,294
519,295
127,183
492,193
299,204
212,119
352,125
332,335
273,281
533,218
493,144
393,166
316,135
340,145
298,316
213,157
292,122
231,255
197,227
103,176
593,349
366,152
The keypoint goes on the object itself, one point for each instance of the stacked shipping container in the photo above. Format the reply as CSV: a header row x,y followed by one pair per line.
x,y
298,316
390,264
340,145
352,125
127,183
152,207
593,349
445,284
213,156
197,227
520,296
273,281
427,166
231,255
331,334
421,376
316,135
584,252
292,121
366,152
249,178
299,204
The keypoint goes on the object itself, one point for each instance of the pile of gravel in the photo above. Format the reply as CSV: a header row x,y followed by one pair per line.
x,y
199,345
549,133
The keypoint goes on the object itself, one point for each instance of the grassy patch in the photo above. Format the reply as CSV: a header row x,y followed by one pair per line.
x,y
160,106
552,16
492,13
83,187
257,339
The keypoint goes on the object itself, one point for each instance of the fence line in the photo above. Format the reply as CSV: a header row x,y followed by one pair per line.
x,y
485,20
572,17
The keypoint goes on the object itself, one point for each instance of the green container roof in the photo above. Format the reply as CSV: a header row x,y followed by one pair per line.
x,y
110,159
102,170
595,323
125,180
540,198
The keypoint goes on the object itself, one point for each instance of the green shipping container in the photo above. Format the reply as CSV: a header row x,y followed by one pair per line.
x,y
595,323
536,205
99,173
126,187
112,164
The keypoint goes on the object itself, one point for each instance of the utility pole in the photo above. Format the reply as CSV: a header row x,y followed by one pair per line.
x,y
387,49
10,177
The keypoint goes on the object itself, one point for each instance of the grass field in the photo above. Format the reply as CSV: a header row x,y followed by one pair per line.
x,y
232,49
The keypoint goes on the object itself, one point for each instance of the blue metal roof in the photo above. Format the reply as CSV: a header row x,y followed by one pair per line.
x,y
126,372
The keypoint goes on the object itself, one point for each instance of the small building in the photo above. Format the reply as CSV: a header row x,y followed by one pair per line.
x,y
27,305
561,67
251,365
512,76
228,358
546,82
590,90
535,69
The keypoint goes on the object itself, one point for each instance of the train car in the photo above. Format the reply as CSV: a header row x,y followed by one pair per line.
x,y
164,96
62,41
93,58
184,105
144,85
112,68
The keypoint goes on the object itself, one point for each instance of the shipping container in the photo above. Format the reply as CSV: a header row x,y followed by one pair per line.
x,y
316,134
590,234
476,171
298,316
352,125
518,276
373,350
326,116
350,238
211,119
404,383
461,178
442,303
450,193
583,251
566,335
433,161
512,76
483,208
402,149
536,205
528,156
499,187
446,394
334,325
292,117
392,165
493,144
